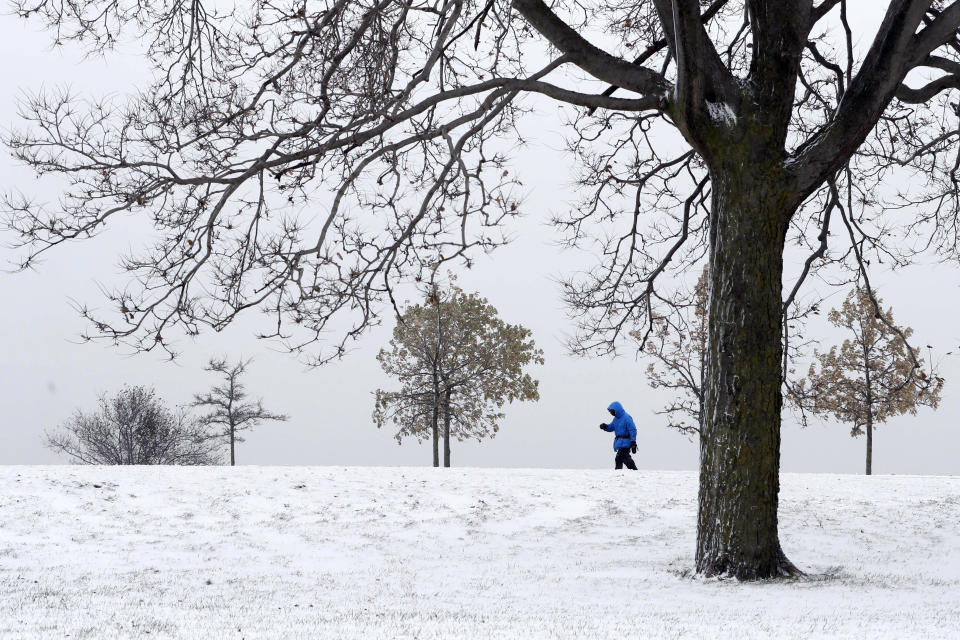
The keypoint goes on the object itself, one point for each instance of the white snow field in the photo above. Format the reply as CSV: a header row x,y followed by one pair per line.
x,y
379,553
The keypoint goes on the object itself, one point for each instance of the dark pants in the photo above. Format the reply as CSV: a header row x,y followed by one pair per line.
x,y
623,458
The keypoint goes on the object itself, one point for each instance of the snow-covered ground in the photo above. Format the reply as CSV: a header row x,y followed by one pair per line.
x,y
384,553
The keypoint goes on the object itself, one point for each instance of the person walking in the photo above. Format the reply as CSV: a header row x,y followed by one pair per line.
x,y
625,435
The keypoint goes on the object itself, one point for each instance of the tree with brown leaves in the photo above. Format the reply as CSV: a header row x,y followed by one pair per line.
x,y
723,129
872,376
458,362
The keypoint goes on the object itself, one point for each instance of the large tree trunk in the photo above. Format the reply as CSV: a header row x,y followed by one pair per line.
x,y
866,377
740,438
233,438
446,429
436,434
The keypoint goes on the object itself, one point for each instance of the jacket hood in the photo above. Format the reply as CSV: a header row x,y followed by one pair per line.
x,y
617,408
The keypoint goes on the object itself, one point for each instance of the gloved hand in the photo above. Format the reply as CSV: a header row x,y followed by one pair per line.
x,y
633,447
603,426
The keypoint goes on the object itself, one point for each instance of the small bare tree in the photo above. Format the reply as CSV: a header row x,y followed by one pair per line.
x,y
456,360
133,427
229,411
870,377
677,348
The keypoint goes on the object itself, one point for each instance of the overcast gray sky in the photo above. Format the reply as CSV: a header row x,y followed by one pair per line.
x,y
45,373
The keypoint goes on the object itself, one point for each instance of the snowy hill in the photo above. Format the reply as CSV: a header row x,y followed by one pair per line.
x,y
465,553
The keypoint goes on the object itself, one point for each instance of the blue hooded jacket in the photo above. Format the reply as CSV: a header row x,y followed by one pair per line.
x,y
622,427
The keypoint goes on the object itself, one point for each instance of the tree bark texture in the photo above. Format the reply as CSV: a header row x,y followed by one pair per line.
x,y
740,438
233,438
436,435
446,429
866,373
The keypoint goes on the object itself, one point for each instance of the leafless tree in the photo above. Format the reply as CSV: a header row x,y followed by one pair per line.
x,y
133,427
677,350
229,413
715,130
